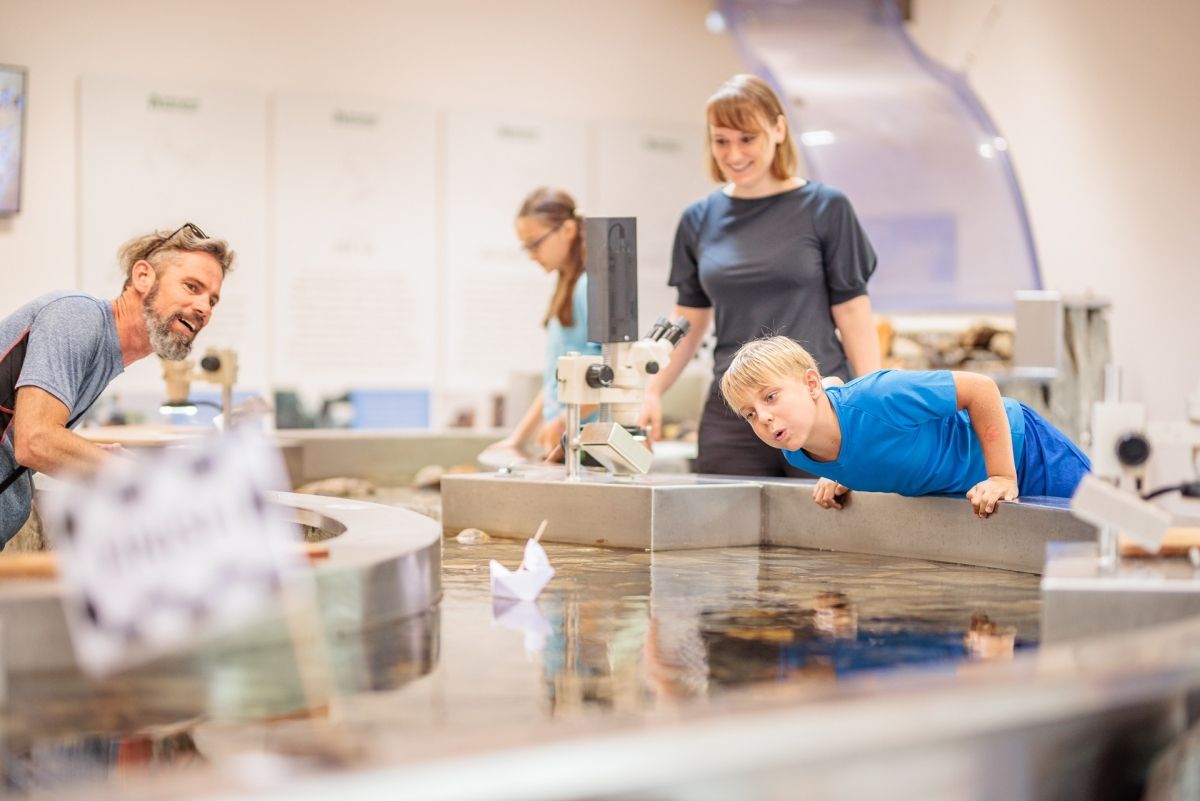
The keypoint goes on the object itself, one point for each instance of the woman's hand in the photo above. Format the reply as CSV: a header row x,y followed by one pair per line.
x,y
508,443
830,495
985,495
506,452
550,435
650,417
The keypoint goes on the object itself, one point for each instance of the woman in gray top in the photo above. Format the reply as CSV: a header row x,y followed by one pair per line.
x,y
768,253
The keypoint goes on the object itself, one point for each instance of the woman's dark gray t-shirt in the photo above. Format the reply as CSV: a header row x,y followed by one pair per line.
x,y
773,265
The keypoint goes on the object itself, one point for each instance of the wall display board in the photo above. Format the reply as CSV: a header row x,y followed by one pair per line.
x,y
12,137
154,155
354,243
495,295
652,172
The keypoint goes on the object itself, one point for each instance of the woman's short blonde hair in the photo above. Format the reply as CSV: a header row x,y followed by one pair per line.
x,y
760,363
748,103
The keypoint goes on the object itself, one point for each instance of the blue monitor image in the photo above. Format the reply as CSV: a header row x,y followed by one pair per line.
x,y
12,137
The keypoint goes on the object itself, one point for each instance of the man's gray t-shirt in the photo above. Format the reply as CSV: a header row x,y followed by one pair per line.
x,y
72,352
773,266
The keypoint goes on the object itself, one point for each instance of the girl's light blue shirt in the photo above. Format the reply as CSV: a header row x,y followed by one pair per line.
x,y
559,342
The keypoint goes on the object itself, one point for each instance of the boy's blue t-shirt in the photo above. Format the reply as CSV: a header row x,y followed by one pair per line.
x,y
559,342
903,432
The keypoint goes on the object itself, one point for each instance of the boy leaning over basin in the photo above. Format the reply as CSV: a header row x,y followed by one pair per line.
x,y
908,432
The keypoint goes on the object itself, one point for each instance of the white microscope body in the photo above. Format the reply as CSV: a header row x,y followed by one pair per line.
x,y
616,381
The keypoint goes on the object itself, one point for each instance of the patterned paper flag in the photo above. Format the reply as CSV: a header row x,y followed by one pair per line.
x,y
158,552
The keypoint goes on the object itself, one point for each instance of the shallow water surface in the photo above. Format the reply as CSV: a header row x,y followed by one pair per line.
x,y
619,632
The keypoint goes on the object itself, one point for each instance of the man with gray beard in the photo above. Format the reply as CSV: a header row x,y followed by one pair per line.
x,y
59,352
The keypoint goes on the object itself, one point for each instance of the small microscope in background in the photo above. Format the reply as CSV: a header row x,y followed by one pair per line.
x,y
1113,496
217,366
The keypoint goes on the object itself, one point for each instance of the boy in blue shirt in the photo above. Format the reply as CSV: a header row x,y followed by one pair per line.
x,y
909,432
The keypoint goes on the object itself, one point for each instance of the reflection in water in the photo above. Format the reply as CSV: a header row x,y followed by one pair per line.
x,y
62,728
710,621
50,765
987,641
615,632
833,614
525,617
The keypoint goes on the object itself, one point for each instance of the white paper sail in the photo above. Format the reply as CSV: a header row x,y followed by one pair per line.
x,y
527,581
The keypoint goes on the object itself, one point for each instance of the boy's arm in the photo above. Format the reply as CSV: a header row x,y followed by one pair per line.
x,y
980,396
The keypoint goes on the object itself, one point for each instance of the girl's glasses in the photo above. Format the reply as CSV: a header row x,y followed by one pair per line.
x,y
531,247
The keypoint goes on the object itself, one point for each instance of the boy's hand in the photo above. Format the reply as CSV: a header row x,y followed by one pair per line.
x,y
829,494
987,493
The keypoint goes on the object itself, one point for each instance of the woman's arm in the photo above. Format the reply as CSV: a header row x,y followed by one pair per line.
x,y
530,421
525,428
549,436
980,396
651,415
859,339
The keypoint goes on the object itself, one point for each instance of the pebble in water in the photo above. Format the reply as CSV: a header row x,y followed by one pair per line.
x,y
472,536
429,477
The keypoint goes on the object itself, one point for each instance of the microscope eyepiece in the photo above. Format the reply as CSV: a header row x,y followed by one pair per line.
x,y
658,329
677,330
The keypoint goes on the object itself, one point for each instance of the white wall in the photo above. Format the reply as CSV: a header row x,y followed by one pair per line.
x,y
649,62
1097,101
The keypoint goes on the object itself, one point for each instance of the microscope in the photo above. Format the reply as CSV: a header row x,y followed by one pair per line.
x,y
1113,497
654,511
217,366
615,380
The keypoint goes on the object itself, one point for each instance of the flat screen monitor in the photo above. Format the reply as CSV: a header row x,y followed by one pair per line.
x,y
12,136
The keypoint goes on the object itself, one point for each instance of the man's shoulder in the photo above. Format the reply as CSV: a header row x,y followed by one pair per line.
x,y
28,314
69,297
70,305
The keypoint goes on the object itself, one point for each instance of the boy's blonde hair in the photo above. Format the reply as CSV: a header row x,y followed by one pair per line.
x,y
759,363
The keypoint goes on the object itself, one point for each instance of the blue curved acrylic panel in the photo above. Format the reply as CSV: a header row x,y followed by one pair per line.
x,y
906,140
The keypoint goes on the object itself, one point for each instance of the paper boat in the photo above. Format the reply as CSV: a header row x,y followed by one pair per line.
x,y
526,582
